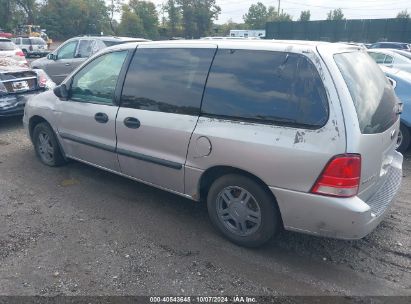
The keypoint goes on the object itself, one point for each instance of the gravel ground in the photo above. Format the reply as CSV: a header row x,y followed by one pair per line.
x,y
76,230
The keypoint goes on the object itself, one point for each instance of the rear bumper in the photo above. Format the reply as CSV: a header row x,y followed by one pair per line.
x,y
341,218
15,104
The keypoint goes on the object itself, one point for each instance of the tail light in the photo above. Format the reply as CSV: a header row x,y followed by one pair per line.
x,y
20,53
341,177
43,81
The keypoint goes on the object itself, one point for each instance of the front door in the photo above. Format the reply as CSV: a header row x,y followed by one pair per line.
x,y
86,121
160,105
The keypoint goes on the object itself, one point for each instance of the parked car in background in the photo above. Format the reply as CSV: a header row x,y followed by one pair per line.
x,y
391,45
32,46
9,50
401,81
4,34
237,124
74,52
17,84
391,59
403,53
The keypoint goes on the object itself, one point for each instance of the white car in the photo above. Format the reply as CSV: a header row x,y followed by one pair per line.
x,y
391,59
32,46
8,50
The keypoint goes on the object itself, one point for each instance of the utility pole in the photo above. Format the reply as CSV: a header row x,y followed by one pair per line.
x,y
279,4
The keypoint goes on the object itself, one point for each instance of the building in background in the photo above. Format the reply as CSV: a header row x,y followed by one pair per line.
x,y
248,33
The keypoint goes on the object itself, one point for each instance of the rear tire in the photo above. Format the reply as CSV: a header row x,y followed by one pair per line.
x,y
242,210
404,139
46,145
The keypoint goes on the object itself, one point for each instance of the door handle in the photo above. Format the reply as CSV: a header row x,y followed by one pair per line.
x,y
67,64
101,117
132,123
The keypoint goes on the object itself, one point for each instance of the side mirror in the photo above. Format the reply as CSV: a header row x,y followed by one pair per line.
x,y
61,91
51,56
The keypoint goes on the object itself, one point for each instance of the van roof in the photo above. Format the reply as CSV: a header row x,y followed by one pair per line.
x,y
263,44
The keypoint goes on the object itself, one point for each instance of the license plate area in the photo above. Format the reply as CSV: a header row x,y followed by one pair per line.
x,y
19,86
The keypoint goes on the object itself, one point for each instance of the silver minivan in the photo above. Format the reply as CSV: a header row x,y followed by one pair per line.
x,y
270,134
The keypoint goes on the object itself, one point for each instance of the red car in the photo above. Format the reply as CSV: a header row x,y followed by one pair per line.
x,y
4,34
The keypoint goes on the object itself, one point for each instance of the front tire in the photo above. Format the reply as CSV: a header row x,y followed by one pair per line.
x,y
46,145
242,210
404,139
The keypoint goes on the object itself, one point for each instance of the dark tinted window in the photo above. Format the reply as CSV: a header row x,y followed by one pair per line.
x,y
269,87
26,41
167,80
373,95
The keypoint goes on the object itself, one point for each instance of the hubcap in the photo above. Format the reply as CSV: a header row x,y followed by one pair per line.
x,y
399,139
238,210
45,147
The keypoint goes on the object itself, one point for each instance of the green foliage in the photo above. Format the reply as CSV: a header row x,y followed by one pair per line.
x,y
305,16
336,14
403,14
174,17
198,16
67,18
131,25
258,15
64,18
224,29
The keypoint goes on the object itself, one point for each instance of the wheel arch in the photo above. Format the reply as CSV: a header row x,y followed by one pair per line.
x,y
33,122
212,173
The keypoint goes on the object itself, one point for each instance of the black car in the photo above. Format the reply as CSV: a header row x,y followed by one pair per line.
x,y
391,45
17,84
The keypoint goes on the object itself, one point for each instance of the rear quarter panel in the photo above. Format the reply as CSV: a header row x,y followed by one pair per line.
x,y
282,157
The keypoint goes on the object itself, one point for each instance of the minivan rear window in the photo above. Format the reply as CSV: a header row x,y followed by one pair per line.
x,y
373,95
265,87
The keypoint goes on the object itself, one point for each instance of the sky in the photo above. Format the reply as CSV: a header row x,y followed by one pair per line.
x,y
352,9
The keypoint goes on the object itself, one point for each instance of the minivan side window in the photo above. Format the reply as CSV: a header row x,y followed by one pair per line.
x,y
97,81
265,87
167,79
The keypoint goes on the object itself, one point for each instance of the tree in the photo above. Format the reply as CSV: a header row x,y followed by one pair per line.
x,y
256,17
68,18
174,16
403,14
305,16
198,16
30,8
147,13
336,14
224,29
114,7
131,25
6,14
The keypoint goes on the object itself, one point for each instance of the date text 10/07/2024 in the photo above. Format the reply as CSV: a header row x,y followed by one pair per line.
x,y
205,299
